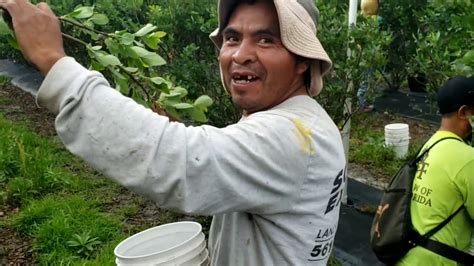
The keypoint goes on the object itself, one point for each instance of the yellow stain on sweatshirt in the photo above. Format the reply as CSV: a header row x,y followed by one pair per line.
x,y
303,134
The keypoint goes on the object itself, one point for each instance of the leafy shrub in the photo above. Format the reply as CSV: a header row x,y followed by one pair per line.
x,y
368,51
441,54
191,55
402,19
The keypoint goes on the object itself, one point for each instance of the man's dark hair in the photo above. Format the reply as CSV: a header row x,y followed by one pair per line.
x,y
234,6
307,73
299,59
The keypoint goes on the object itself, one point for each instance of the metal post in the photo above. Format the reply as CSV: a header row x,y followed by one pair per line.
x,y
348,104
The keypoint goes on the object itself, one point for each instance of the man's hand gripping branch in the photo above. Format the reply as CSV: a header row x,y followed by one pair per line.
x,y
38,32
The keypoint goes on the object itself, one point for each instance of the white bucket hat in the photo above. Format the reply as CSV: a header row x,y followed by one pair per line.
x,y
298,21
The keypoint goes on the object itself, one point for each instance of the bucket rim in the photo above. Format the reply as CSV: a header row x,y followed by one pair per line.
x,y
144,257
397,126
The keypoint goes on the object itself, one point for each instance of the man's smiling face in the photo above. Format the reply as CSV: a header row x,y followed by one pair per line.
x,y
257,69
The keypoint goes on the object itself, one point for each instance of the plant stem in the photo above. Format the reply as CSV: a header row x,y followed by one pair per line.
x,y
82,26
67,36
132,77
137,82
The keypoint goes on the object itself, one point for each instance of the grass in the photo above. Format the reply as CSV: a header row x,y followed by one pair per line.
x,y
68,212
4,80
367,144
54,222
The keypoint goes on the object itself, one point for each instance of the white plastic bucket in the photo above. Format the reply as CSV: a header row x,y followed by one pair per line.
x,y
397,128
397,142
401,150
202,259
397,136
391,135
181,243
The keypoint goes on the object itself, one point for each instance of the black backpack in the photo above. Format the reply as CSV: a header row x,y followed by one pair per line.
x,y
392,234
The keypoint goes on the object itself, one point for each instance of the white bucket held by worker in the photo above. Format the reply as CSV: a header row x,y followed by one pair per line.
x,y
180,243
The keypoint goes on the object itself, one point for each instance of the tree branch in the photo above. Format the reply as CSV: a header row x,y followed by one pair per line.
x,y
79,25
137,82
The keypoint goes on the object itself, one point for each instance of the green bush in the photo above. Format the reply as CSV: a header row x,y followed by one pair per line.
x,y
192,58
402,19
368,47
444,42
408,43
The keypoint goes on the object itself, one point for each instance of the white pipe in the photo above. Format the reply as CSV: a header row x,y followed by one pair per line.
x,y
353,12
348,106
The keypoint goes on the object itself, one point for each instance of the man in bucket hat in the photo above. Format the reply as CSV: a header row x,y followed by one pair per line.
x,y
444,182
273,181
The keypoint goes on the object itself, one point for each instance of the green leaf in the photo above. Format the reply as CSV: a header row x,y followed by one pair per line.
x,y
169,101
162,84
4,29
129,52
203,102
94,36
172,112
100,19
89,25
181,91
141,52
149,58
469,57
121,81
72,14
183,106
127,39
172,94
107,59
197,115
160,34
122,85
112,45
13,42
97,66
131,69
117,74
151,42
82,12
145,30
158,80
153,39
96,48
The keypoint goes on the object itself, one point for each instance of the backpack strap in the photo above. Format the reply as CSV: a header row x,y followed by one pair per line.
x,y
448,252
420,156
441,225
433,245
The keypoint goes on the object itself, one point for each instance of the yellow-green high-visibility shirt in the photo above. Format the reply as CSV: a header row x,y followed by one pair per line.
x,y
444,181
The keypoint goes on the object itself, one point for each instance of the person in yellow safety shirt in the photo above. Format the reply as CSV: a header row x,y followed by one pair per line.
x,y
445,177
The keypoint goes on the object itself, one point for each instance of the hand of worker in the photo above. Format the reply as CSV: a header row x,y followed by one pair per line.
x,y
38,32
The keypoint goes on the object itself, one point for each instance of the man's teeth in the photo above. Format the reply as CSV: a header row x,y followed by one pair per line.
x,y
244,79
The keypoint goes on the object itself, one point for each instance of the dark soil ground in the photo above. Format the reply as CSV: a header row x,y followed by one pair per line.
x,y
15,249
